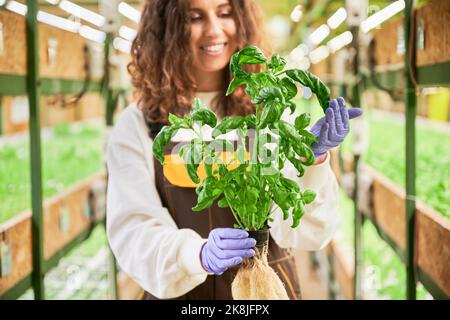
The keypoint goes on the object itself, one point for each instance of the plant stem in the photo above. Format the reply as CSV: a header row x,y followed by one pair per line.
x,y
255,159
255,139
280,73
272,211
236,218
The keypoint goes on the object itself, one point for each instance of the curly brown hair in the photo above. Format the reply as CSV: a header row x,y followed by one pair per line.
x,y
161,59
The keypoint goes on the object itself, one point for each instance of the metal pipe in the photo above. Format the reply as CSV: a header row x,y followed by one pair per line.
x,y
109,120
342,93
33,88
108,94
1,115
332,292
356,101
112,273
358,263
410,156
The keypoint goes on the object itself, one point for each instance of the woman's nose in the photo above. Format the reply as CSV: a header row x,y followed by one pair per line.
x,y
213,27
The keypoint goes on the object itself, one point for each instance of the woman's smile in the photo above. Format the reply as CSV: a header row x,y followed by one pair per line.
x,y
215,49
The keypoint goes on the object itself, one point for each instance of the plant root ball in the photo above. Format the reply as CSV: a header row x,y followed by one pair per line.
x,y
256,280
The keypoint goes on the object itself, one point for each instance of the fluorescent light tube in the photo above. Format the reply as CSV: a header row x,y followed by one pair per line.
x,y
58,22
17,7
319,34
127,33
337,18
382,15
296,14
129,12
319,54
122,45
92,34
82,13
340,41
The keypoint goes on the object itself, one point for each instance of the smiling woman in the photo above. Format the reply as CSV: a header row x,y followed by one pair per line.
x,y
184,47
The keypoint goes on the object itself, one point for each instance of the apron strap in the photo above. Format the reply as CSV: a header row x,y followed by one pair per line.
x,y
153,127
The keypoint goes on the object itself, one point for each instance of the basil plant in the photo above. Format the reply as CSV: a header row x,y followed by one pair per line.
x,y
251,183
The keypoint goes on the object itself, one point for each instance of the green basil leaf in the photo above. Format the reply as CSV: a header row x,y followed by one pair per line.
x,y
269,115
183,149
192,157
297,164
250,120
228,123
262,79
229,193
197,105
308,196
292,106
241,153
208,169
281,161
290,184
252,90
251,209
307,79
297,214
161,140
201,113
251,55
252,195
289,131
211,191
223,170
307,154
267,94
234,63
280,199
277,63
223,203
174,120
310,138
302,121
290,88
205,116
301,76
235,83
205,201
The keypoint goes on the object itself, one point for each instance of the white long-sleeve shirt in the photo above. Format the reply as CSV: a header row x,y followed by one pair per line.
x,y
148,245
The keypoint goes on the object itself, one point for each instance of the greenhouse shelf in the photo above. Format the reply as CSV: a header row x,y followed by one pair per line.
x,y
433,229
15,85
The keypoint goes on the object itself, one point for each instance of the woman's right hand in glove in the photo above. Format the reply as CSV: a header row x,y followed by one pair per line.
x,y
225,248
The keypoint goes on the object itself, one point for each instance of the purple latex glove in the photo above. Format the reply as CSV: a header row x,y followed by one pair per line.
x,y
332,129
225,248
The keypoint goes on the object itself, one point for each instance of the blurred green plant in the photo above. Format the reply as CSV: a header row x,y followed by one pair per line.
x,y
69,155
390,279
386,155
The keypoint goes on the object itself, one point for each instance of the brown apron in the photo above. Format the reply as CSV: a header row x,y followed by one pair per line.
x,y
179,197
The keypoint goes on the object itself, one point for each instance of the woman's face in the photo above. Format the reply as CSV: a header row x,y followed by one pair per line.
x,y
213,35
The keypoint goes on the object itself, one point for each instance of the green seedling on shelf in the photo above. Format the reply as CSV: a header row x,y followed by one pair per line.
x,y
260,181
76,147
